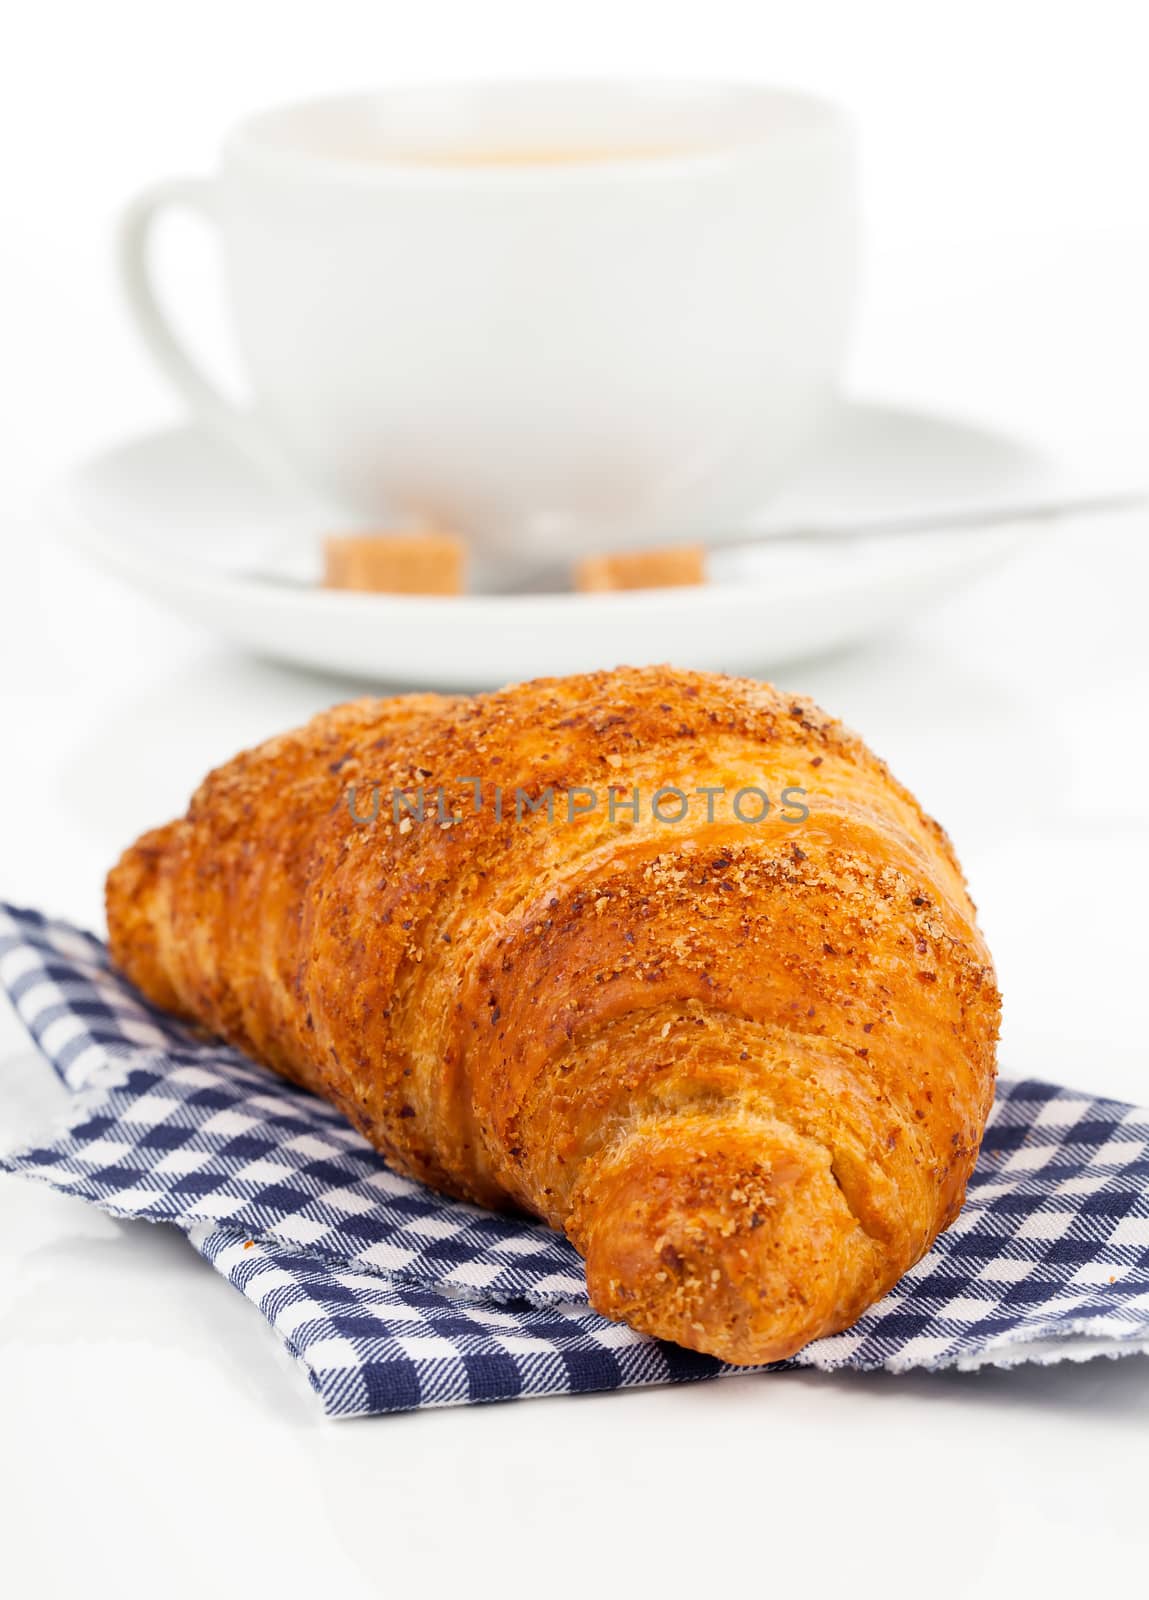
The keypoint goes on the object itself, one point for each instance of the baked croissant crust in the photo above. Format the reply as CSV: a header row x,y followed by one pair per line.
x,y
744,1065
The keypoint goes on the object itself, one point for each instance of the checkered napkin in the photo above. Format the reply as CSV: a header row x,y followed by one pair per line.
x,y
393,1297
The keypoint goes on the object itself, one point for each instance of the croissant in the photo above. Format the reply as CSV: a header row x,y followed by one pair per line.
x,y
741,1050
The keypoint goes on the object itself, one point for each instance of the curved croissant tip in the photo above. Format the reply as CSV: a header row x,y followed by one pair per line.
x,y
730,1236
131,904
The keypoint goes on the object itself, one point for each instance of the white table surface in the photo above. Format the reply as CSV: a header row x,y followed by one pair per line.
x,y
153,1437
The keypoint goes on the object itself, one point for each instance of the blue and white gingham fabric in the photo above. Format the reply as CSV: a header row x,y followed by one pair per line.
x,y
393,1297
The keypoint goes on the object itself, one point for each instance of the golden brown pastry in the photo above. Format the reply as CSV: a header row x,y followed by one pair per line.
x,y
744,1064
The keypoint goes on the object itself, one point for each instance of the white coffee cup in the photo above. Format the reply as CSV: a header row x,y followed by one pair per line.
x,y
552,315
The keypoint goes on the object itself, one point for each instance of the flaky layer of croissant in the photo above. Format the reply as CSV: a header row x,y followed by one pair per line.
x,y
745,1065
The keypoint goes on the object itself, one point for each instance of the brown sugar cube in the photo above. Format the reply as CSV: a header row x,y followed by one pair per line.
x,y
426,562
675,566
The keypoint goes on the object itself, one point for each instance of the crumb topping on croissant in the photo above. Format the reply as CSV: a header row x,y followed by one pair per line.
x,y
744,1064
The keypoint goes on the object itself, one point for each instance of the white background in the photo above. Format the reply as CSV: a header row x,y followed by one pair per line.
x,y
152,1437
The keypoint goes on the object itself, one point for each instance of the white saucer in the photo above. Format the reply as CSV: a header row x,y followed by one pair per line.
x,y
183,519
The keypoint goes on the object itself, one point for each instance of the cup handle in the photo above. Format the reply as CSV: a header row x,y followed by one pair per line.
x,y
229,422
